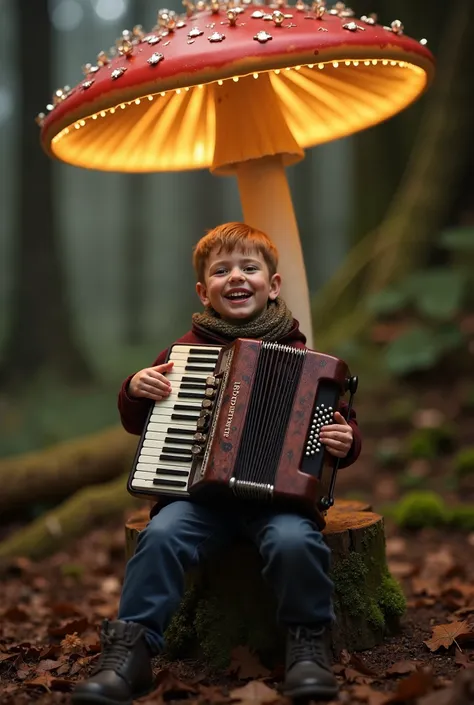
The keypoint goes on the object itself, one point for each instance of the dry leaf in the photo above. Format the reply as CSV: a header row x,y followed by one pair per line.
x,y
168,683
48,665
245,664
76,625
445,635
368,695
255,692
65,609
416,685
401,668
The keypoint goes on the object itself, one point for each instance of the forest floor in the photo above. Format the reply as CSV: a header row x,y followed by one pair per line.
x,y
50,610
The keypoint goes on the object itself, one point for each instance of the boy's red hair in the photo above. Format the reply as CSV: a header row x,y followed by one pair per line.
x,y
234,236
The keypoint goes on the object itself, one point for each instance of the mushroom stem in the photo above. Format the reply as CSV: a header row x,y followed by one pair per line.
x,y
267,205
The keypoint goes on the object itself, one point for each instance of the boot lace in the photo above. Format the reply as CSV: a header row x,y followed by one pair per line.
x,y
115,649
306,645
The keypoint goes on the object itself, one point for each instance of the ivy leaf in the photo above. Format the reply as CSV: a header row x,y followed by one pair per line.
x,y
387,301
437,293
445,635
413,350
458,239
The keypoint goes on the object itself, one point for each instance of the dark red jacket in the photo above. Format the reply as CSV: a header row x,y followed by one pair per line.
x,y
134,411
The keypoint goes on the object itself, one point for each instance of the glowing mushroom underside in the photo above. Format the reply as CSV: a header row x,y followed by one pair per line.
x,y
240,89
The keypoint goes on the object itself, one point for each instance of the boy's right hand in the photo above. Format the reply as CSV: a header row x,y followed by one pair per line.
x,y
151,383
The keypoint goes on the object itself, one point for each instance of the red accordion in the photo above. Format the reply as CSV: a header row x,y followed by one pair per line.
x,y
245,421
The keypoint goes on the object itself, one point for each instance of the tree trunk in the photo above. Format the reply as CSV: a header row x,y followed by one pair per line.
x,y
75,517
40,334
216,614
59,471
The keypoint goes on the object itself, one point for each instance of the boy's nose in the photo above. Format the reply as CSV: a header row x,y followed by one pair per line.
x,y
236,274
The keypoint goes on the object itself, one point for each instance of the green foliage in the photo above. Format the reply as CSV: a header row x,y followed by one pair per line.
x,y
421,347
401,409
420,509
458,239
389,453
410,481
434,296
462,517
463,462
390,598
429,443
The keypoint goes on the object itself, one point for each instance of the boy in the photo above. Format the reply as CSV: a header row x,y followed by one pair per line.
x,y
239,286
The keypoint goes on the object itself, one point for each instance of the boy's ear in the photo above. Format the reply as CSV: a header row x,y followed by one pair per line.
x,y
275,286
202,293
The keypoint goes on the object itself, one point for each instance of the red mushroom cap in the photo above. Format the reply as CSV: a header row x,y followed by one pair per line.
x,y
155,107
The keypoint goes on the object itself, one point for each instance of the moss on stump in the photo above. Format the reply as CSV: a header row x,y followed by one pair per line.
x,y
227,603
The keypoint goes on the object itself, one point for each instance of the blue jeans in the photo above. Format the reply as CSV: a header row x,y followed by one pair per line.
x,y
295,557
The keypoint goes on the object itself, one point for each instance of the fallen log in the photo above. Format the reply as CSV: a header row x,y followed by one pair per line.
x,y
216,614
61,470
74,517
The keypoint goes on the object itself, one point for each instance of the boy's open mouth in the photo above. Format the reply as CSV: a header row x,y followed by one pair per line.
x,y
238,295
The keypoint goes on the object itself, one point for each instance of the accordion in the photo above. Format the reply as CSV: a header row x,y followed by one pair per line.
x,y
244,420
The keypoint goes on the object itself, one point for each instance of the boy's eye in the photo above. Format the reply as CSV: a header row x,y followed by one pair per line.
x,y
251,268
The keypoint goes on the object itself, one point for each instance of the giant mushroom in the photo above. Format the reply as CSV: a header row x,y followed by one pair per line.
x,y
241,89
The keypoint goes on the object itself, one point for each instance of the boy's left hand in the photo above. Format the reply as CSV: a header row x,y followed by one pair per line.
x,y
337,437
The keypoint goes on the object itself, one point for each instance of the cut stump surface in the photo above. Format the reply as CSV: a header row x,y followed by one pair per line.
x,y
216,614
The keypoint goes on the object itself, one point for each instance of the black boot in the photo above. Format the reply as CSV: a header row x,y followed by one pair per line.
x,y
308,670
123,671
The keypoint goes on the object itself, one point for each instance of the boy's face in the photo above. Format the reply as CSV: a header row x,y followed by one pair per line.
x,y
237,284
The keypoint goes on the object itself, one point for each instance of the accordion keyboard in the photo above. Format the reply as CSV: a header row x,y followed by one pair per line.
x,y
164,459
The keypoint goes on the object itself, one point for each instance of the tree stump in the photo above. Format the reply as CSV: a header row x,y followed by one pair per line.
x,y
227,603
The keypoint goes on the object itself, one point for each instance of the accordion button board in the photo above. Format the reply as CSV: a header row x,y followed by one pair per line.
x,y
164,458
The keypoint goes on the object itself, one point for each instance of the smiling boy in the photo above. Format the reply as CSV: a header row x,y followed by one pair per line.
x,y
238,285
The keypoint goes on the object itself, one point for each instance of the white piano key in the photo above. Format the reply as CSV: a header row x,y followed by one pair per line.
x,y
171,401
162,426
158,417
160,443
159,489
155,461
155,451
161,435
147,475
181,348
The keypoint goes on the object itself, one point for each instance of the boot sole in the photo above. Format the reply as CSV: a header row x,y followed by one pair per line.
x,y
95,699
312,692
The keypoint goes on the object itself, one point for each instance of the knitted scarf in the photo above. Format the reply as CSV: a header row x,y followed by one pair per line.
x,y
274,322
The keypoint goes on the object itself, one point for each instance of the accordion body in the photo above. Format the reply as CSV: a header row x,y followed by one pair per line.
x,y
243,420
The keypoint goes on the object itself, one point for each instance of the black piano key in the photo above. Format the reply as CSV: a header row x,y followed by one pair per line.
x,y
211,360
184,417
186,407
176,451
193,380
198,351
176,458
182,441
182,431
190,395
170,483
193,385
173,472
197,368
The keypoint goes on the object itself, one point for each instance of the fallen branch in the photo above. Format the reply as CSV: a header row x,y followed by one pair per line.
x,y
71,519
61,470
